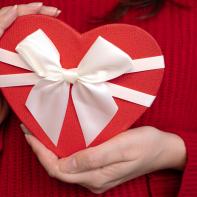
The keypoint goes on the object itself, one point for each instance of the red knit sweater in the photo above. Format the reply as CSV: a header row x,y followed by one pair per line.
x,y
174,110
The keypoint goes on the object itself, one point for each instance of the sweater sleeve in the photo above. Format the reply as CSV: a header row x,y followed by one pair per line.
x,y
189,178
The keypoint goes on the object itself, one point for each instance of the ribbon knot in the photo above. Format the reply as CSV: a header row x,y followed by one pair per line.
x,y
70,75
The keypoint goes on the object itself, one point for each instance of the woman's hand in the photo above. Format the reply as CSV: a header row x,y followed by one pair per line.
x,y
10,13
126,156
7,17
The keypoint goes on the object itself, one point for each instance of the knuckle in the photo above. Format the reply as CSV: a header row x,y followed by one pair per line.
x,y
87,160
121,144
123,154
51,173
91,162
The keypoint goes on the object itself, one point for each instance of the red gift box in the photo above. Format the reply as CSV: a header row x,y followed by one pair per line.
x,y
72,47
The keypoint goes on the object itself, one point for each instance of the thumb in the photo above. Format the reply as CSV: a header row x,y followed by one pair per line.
x,y
109,152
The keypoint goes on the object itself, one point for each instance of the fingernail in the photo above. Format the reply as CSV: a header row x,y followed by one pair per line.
x,y
58,12
27,138
35,4
69,166
14,7
22,127
25,130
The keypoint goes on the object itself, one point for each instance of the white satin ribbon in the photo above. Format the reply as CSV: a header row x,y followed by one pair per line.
x,y
91,93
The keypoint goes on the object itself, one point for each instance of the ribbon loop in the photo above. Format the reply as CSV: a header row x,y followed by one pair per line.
x,y
103,61
40,54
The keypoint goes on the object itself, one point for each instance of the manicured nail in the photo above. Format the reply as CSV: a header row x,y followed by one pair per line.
x,y
69,166
35,4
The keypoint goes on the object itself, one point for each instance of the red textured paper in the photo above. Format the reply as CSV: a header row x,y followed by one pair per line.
x,y
72,47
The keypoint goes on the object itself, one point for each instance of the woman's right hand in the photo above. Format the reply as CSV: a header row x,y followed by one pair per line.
x,y
7,17
10,13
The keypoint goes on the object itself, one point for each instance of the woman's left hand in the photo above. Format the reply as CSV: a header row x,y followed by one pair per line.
x,y
124,157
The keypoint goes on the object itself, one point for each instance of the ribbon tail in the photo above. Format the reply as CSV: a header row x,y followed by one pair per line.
x,y
94,103
49,108
127,94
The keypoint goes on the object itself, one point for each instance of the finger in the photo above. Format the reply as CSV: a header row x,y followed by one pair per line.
x,y
107,186
114,183
4,10
107,153
50,11
31,8
47,158
7,19
104,188
37,8
24,129
99,178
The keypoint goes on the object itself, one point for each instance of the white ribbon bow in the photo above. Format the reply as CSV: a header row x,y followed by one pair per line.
x,y
91,93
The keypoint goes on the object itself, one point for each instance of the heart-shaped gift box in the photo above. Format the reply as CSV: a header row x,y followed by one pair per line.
x,y
72,47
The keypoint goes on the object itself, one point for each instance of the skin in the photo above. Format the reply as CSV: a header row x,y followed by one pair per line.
x,y
126,156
